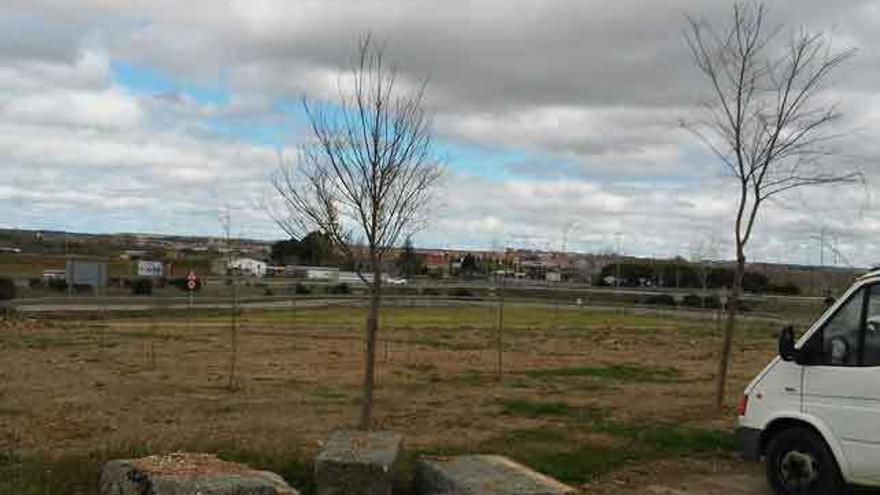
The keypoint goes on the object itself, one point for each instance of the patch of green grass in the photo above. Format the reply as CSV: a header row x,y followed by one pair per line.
x,y
618,372
551,451
546,449
295,468
532,435
533,409
518,319
518,383
579,465
331,393
450,345
32,474
472,377
670,439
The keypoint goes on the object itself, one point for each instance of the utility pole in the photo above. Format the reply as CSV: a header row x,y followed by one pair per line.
x,y
499,342
821,269
565,231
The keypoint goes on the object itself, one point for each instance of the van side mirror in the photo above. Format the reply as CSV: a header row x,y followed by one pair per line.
x,y
786,344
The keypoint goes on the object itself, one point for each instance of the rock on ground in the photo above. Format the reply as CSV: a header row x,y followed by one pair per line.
x,y
483,475
188,474
358,463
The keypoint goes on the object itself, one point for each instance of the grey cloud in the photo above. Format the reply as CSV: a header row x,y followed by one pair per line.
x,y
593,86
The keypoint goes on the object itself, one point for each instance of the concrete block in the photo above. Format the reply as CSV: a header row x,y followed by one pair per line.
x,y
183,473
358,463
482,475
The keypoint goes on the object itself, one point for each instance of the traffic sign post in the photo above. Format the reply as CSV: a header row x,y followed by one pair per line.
x,y
192,283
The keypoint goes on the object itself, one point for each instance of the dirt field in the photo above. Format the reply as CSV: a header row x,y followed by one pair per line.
x,y
583,396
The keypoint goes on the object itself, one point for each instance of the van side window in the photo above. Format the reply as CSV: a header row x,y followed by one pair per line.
x,y
872,328
840,334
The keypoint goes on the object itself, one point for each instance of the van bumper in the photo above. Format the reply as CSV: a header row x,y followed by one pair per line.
x,y
748,443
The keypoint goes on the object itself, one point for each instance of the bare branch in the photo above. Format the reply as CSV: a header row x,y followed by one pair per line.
x,y
764,121
370,168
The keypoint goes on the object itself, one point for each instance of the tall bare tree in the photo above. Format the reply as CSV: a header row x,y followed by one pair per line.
x,y
364,180
767,120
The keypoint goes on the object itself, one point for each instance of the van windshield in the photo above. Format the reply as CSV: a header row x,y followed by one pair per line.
x,y
872,328
840,335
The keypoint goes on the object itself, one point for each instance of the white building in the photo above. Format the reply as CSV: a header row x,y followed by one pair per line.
x,y
322,273
325,273
249,266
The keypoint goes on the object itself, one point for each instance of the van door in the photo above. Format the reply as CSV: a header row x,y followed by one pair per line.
x,y
842,383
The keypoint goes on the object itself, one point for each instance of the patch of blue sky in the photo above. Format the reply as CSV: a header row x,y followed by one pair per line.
x,y
281,127
146,81
273,134
480,161
289,122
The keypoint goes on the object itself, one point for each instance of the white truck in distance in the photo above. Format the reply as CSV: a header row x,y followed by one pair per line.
x,y
813,413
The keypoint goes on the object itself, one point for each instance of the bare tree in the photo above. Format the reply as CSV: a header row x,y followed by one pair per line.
x,y
368,176
767,121
225,218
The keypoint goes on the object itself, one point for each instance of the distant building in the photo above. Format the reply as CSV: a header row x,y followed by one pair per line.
x,y
249,266
312,272
85,272
437,263
353,277
49,275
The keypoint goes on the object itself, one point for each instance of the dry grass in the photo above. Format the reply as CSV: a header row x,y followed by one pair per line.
x,y
584,382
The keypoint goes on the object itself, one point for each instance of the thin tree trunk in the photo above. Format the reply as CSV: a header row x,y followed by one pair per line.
x,y
233,336
370,349
729,328
499,336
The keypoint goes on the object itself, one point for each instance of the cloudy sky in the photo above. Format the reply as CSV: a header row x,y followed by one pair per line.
x,y
553,117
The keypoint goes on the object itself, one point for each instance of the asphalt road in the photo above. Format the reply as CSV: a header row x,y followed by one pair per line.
x,y
56,307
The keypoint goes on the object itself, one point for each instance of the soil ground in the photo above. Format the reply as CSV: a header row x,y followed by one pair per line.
x,y
588,397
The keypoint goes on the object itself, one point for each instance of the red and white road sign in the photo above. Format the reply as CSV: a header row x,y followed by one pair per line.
x,y
192,280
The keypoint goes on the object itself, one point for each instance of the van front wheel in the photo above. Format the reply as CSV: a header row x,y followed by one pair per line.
x,y
800,463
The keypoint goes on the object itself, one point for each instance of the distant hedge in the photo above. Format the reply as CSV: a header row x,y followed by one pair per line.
x,y
7,289
460,292
142,287
342,288
181,283
660,299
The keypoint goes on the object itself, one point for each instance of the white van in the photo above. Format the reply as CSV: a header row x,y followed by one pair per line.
x,y
814,412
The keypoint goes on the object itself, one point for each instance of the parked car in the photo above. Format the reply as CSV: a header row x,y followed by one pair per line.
x,y
813,413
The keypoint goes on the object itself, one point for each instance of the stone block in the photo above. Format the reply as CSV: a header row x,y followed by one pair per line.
x,y
482,475
183,473
359,463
